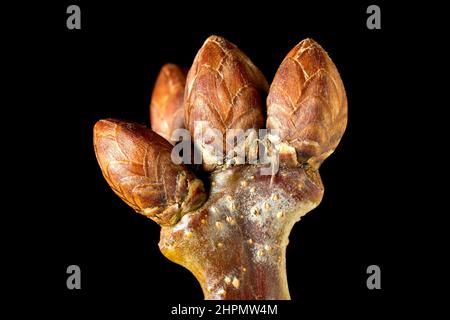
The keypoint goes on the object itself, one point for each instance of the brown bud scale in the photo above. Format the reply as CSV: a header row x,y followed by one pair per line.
x,y
307,103
224,89
136,163
166,107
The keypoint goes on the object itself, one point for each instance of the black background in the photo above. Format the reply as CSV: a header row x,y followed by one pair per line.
x,y
107,69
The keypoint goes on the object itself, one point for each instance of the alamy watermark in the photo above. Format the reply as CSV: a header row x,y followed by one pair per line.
x,y
236,146
374,280
74,279
374,19
74,19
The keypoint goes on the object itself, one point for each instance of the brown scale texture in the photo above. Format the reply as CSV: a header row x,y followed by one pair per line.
x,y
232,236
224,89
307,102
136,163
166,106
